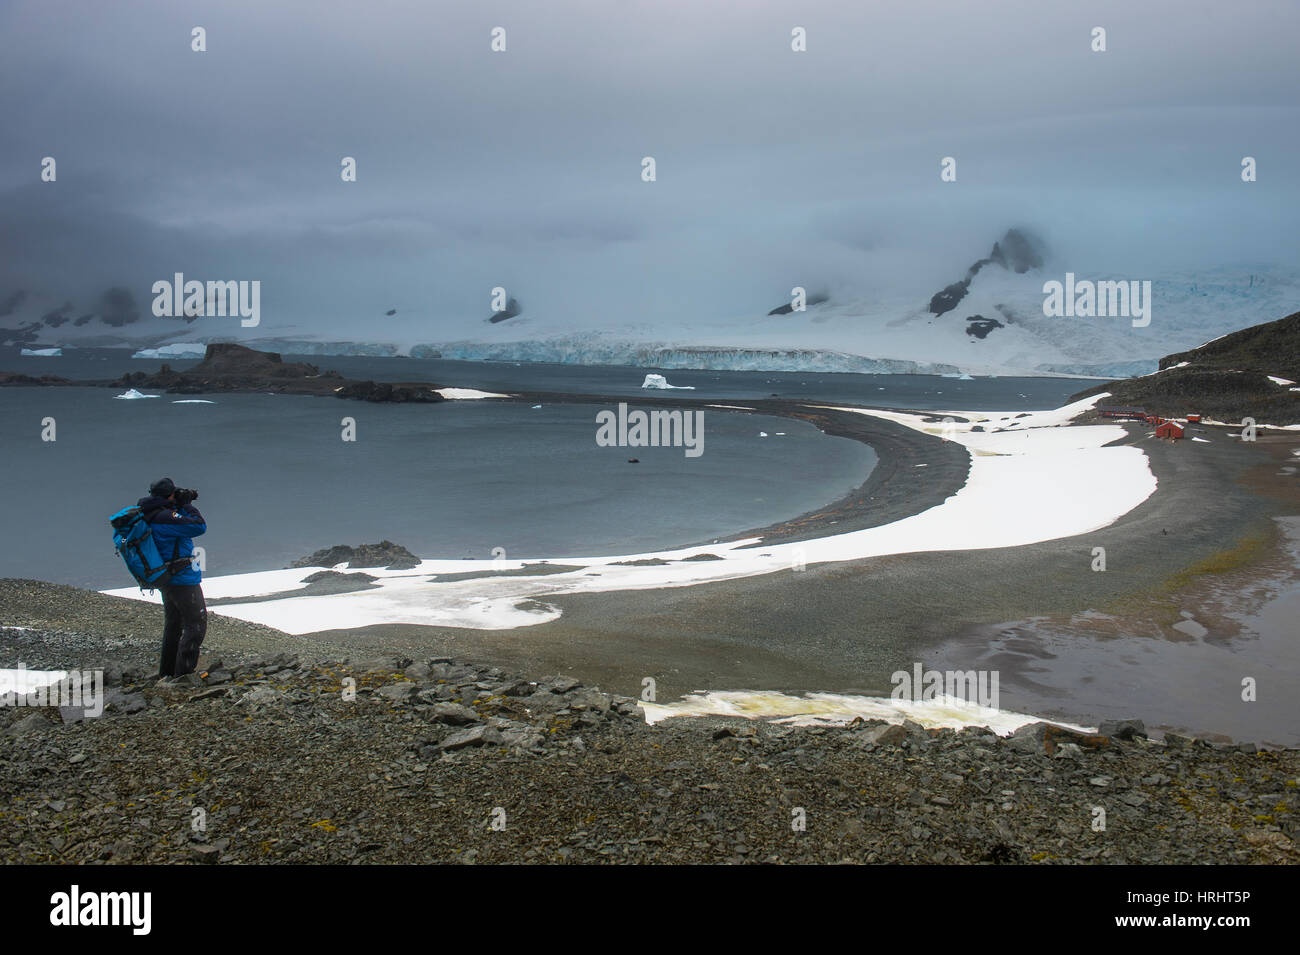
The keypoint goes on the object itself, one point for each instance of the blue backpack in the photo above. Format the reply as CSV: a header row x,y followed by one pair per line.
x,y
133,542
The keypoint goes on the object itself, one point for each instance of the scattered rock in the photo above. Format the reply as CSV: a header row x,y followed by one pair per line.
x,y
33,723
1122,729
474,736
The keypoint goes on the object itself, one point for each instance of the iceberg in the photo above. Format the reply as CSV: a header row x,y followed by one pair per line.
x,y
660,382
132,393
42,352
174,350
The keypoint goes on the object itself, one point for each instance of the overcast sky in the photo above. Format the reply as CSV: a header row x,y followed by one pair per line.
x,y
522,168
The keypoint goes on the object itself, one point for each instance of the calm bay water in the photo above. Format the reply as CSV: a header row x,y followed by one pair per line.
x,y
453,480
456,479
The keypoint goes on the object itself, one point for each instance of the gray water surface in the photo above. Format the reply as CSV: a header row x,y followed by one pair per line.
x,y
455,479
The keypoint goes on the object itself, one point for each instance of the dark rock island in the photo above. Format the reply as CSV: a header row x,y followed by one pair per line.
x,y
234,368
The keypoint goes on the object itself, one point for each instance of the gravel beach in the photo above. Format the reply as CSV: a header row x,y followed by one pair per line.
x,y
276,758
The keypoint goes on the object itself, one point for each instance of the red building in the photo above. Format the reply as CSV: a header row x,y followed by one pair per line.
x,y
1194,418
1169,429
1121,411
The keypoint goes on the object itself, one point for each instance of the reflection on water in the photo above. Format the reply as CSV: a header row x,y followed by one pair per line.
x,y
1189,680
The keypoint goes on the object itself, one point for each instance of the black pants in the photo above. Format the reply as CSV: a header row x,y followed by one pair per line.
x,y
185,624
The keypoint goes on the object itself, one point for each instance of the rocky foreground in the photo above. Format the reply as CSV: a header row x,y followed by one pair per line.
x,y
281,759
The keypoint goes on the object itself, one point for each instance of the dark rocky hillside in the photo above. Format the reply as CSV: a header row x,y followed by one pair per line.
x,y
1226,379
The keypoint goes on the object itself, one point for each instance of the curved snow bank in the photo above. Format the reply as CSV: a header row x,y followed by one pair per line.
x,y
1034,481
659,381
174,350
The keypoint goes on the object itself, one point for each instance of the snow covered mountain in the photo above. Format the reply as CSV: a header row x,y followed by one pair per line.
x,y
989,320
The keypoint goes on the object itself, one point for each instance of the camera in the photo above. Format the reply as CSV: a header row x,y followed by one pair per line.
x,y
184,495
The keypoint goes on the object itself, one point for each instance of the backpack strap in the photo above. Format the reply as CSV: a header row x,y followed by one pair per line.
x,y
176,549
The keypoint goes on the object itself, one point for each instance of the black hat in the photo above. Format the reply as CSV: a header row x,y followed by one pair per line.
x,y
162,488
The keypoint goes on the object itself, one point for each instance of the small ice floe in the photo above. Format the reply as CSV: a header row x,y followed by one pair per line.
x,y
467,394
193,401
920,465
779,434
42,352
762,434
132,393
660,382
535,407
174,350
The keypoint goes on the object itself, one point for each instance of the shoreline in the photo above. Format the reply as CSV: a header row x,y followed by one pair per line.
x,y
843,628
651,624
945,508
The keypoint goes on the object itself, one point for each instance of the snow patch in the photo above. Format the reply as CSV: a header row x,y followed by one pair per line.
x,y
837,709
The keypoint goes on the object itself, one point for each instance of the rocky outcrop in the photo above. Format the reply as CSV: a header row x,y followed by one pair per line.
x,y
950,297
1227,379
979,326
787,308
384,554
388,391
15,378
1017,251
227,366
228,358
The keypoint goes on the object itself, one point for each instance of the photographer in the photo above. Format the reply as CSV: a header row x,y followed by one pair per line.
x,y
175,521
